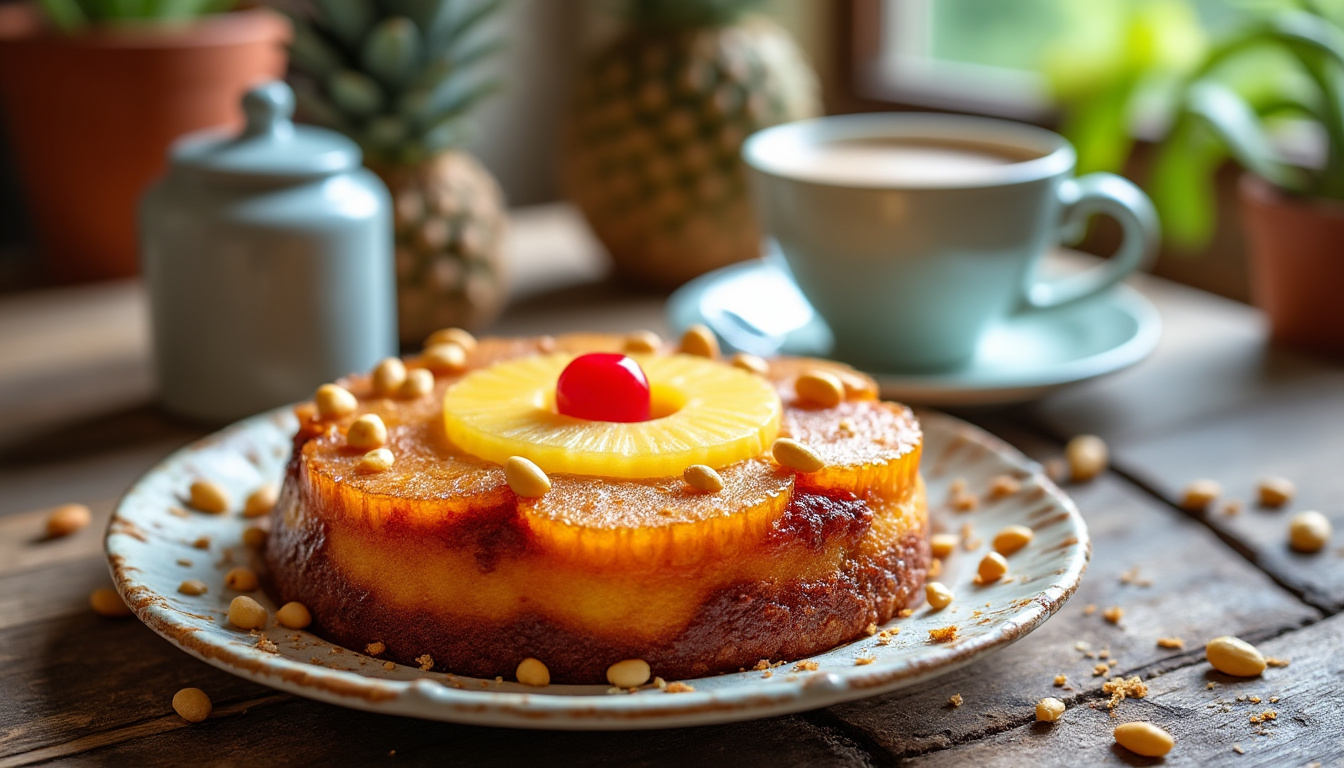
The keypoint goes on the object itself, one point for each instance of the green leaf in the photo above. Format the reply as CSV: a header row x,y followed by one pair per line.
x,y
385,132
1098,126
427,14
455,29
355,93
65,15
461,102
347,19
1181,184
1233,120
311,53
392,50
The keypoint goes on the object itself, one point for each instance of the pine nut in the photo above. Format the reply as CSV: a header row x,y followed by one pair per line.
x,y
751,363
106,602
1144,739
445,358
456,336
699,340
192,704
630,673
1012,538
262,501
419,382
819,388
1087,456
944,544
992,568
389,376
703,479
67,519
1309,531
796,456
937,595
641,342
246,613
525,478
532,672
193,587
293,616
1198,495
334,402
368,432
241,579
1234,656
375,461
1275,491
207,496
1049,709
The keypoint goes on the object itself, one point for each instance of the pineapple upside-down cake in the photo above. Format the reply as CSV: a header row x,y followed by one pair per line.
x,y
583,500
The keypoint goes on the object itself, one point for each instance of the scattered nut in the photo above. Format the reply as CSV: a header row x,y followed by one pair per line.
x,y
375,648
294,616
368,432
375,461
241,579
699,340
1012,538
992,568
532,672
1198,495
192,587
208,496
796,456
389,376
334,402
1087,456
255,537
66,519
1234,656
1276,491
639,342
261,501
1309,531
819,388
944,544
1113,614
630,673
525,478
1144,739
106,602
703,479
192,704
456,336
1049,709
1171,643
937,595
246,613
751,363
419,382
445,358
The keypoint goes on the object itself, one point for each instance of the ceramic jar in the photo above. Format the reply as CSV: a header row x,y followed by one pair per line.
x,y
268,259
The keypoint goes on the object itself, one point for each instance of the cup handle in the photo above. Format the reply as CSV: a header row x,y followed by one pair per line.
x,y
1101,193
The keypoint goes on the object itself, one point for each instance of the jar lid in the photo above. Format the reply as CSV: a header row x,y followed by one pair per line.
x,y
271,146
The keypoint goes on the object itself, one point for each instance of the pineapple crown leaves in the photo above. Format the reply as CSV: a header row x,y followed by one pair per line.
x,y
397,76
685,13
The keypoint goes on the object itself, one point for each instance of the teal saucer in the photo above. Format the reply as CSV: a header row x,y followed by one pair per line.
x,y
756,307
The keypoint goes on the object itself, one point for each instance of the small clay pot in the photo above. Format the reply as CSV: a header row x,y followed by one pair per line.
x,y
90,117
1297,264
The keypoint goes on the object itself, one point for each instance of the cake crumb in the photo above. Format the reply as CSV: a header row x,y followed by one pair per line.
x,y
1003,486
969,541
864,661
375,648
905,613
1240,750
806,666
1264,717
1275,662
1113,614
184,562
871,629
1112,662
1100,669
177,512
955,700
1061,681
679,687
264,643
659,683
762,665
964,502
1232,507
767,674
426,662
935,568
1273,699
1089,609
943,634
1081,645
1254,699
1210,686
1132,577
201,543
389,666
1174,643
1120,689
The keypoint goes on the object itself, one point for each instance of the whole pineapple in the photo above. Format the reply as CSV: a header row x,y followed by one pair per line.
x,y
396,76
660,116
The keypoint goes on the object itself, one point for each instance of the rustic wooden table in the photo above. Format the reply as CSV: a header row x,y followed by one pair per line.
x,y
77,424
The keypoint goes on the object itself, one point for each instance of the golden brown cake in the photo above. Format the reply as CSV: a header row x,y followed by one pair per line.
x,y
435,559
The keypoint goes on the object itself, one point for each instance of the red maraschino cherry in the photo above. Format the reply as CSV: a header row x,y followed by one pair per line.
x,y
603,386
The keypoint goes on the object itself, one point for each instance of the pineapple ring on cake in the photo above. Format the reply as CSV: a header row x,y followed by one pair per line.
x,y
438,556
705,412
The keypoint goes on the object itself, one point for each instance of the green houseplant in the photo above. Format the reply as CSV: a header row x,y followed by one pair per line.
x,y
94,91
400,77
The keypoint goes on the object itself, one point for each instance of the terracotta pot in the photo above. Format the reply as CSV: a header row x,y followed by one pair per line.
x,y
1297,264
90,118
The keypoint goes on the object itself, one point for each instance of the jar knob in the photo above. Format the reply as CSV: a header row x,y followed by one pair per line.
x,y
269,109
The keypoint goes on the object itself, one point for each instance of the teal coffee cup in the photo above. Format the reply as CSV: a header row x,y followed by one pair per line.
x,y
914,234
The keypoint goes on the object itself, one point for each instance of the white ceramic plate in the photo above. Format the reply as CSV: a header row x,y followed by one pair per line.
x,y
153,544
756,307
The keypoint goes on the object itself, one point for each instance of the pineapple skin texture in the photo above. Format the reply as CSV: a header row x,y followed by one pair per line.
x,y
653,143
437,556
450,225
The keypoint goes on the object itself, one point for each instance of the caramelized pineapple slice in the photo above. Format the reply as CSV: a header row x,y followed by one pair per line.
x,y
870,447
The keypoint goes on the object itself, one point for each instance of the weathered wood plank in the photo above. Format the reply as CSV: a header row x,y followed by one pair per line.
x,y
1208,724
24,543
1199,589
